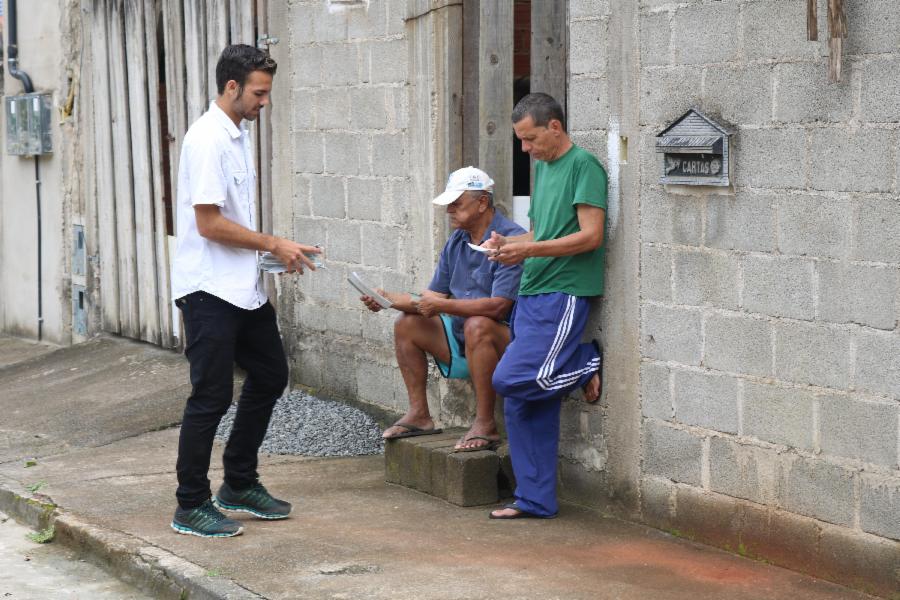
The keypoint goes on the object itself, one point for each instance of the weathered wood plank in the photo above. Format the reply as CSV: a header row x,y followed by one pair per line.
x,y
470,72
176,95
812,20
103,218
160,243
141,170
196,67
122,169
549,41
495,96
217,36
242,15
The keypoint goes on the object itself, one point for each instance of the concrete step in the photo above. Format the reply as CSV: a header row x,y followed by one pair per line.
x,y
428,464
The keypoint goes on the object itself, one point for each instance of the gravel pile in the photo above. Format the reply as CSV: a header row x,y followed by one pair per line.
x,y
308,426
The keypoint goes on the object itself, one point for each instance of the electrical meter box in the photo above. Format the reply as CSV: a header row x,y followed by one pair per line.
x,y
28,125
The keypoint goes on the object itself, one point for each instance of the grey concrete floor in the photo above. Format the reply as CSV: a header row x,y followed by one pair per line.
x,y
34,571
107,455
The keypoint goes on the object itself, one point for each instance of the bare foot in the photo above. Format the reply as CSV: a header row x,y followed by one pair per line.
x,y
480,435
505,513
592,389
399,427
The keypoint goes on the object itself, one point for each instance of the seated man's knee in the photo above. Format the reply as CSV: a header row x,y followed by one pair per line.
x,y
478,330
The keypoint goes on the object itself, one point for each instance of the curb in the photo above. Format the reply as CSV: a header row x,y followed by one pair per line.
x,y
149,568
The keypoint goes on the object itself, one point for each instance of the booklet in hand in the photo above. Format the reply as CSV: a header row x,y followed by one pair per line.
x,y
366,290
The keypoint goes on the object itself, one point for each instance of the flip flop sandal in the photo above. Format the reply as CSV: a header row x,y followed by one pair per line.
x,y
492,444
600,371
520,514
412,431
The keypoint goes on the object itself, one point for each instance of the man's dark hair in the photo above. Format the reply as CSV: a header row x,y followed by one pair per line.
x,y
238,61
541,108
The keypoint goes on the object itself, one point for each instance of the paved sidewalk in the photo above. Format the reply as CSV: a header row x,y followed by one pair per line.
x,y
106,455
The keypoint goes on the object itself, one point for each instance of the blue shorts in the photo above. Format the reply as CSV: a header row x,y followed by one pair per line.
x,y
458,367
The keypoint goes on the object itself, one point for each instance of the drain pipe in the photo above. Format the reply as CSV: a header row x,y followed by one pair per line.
x,y
12,55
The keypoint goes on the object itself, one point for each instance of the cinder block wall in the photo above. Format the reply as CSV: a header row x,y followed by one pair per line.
x,y
770,383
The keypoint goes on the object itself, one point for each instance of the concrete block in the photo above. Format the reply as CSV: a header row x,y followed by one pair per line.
x,y
587,487
706,400
422,459
876,230
343,241
702,278
307,66
780,287
671,453
769,32
739,95
805,95
744,222
378,328
852,293
667,92
326,286
307,364
738,344
364,199
812,354
779,537
303,109
439,460
328,26
706,34
743,471
339,359
593,141
859,560
390,154
343,155
656,273
657,502
398,198
671,334
374,383
588,106
342,64
880,505
302,24
875,27
369,107
379,244
656,35
506,479
854,428
309,155
580,9
779,415
851,160
327,196
770,158
333,108
818,489
343,321
670,219
300,200
587,46
392,458
368,20
472,478
814,226
308,230
388,61
398,113
878,362
715,519
656,399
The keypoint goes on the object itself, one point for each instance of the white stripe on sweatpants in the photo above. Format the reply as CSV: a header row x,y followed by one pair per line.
x,y
562,332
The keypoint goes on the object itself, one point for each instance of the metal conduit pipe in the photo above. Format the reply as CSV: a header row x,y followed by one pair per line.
x,y
12,60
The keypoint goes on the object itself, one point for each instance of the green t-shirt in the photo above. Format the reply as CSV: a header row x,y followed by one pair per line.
x,y
576,177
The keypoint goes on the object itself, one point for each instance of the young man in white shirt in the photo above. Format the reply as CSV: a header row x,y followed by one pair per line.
x,y
227,317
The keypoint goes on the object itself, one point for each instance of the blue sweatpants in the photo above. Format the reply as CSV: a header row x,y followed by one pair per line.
x,y
543,363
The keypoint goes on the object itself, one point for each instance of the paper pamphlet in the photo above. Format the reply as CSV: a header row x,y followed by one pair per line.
x,y
366,290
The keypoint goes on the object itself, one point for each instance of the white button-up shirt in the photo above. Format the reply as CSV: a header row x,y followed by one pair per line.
x,y
216,167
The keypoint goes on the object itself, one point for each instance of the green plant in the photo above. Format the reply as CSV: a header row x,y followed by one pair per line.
x,y
43,536
34,487
30,463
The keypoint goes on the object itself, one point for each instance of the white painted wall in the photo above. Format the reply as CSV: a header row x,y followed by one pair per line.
x,y
40,55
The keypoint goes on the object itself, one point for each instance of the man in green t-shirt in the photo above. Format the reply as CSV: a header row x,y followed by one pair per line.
x,y
564,261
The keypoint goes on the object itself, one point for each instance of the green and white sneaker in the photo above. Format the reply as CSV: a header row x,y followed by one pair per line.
x,y
255,500
205,521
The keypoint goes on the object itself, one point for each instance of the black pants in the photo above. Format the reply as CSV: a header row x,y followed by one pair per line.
x,y
218,335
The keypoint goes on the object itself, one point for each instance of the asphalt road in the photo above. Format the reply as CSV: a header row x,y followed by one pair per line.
x,y
32,571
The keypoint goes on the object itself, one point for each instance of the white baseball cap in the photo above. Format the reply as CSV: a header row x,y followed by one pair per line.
x,y
462,180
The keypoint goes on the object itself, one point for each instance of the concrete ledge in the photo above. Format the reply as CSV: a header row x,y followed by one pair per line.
x,y
831,552
153,570
428,464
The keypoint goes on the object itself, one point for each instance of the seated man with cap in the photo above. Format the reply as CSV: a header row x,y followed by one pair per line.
x,y
460,320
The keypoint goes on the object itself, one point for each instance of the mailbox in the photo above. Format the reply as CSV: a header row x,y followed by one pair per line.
x,y
28,125
694,150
